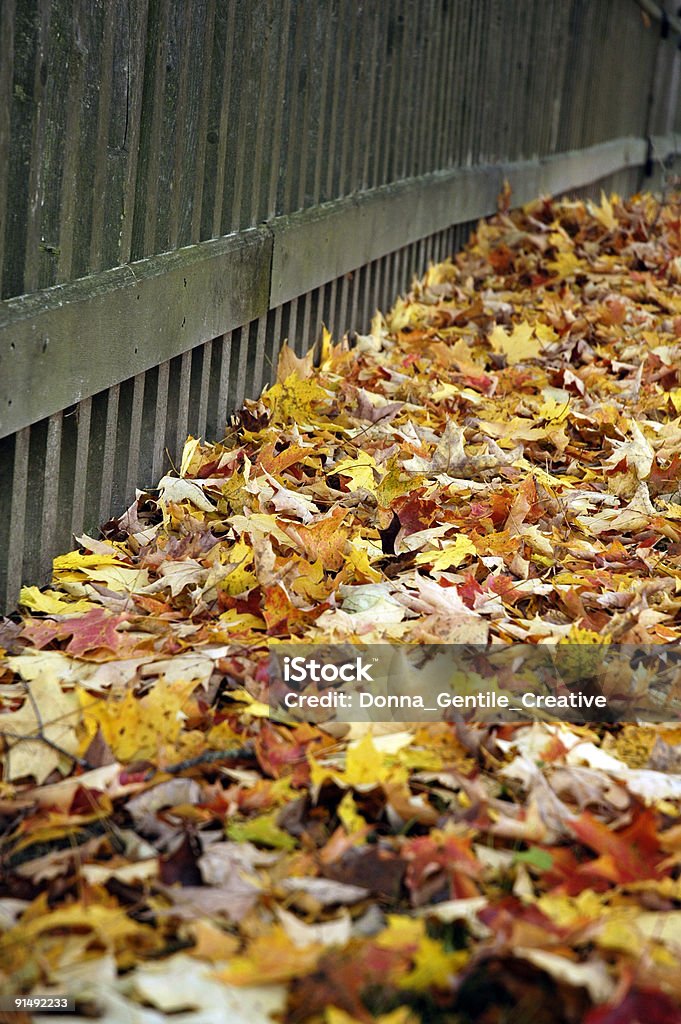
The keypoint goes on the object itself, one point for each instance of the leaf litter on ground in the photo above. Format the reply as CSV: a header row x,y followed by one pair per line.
x,y
497,460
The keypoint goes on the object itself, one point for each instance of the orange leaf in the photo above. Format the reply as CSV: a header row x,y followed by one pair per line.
x,y
626,856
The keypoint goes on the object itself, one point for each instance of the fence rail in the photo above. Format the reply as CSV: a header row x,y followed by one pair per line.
x,y
182,185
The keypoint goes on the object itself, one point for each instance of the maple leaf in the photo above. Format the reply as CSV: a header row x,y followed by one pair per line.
x,y
519,345
178,489
604,213
138,728
324,540
290,365
362,471
273,956
51,603
626,857
41,732
295,400
96,629
449,557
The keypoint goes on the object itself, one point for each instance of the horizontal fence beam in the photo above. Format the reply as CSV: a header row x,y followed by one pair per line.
x,y
319,245
63,344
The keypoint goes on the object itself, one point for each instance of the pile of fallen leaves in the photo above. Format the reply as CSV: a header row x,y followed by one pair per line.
x,y
499,460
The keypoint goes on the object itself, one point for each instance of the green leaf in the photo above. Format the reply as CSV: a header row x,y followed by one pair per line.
x,y
535,857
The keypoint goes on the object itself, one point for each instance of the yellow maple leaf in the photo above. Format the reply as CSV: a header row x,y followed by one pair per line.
x,y
102,917
401,932
51,603
76,560
569,911
566,264
517,346
120,578
135,727
262,830
251,706
71,566
240,621
270,958
395,482
358,560
546,334
604,213
446,390
349,816
553,411
295,400
188,453
362,471
433,966
241,578
326,347
311,583
364,764
399,316
449,557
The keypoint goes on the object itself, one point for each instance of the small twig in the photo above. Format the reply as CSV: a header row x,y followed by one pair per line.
x,y
209,757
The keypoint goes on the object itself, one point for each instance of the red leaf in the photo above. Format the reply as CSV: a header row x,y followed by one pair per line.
x,y
97,628
434,862
640,1006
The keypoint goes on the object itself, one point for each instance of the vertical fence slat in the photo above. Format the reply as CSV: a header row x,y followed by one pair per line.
x,y
332,150
240,363
50,490
203,121
349,123
36,172
182,421
274,345
246,91
224,384
224,41
145,227
84,419
321,155
109,451
17,516
204,390
259,357
134,446
277,128
160,418
184,138
7,16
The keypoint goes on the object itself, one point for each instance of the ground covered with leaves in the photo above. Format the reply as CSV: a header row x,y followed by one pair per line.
x,y
497,461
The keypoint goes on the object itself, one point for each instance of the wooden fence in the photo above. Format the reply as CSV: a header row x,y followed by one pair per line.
x,y
184,183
